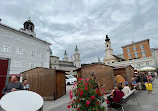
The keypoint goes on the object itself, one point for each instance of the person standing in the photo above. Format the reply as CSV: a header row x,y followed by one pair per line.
x,y
14,85
26,86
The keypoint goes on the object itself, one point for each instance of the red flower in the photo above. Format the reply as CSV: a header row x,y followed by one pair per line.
x,y
75,84
74,100
97,91
78,109
107,101
97,102
86,84
92,86
94,97
71,96
68,106
70,91
86,88
87,79
91,97
77,94
81,92
78,100
80,79
99,94
87,102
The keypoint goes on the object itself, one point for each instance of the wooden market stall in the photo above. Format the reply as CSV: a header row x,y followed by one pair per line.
x,y
104,74
49,83
126,71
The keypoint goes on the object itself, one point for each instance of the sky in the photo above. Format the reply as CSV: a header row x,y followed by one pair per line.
x,y
85,23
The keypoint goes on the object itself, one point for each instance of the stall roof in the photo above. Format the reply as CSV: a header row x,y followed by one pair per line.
x,y
122,67
44,68
91,65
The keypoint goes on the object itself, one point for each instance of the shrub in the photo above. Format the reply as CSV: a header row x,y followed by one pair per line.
x,y
86,96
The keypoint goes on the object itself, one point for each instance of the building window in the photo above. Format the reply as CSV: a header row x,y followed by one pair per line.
x,y
32,65
136,54
147,63
134,49
138,64
54,67
18,63
6,48
129,56
143,54
19,51
55,61
41,64
42,55
141,47
128,50
33,54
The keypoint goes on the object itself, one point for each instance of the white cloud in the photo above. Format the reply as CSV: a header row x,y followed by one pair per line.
x,y
85,23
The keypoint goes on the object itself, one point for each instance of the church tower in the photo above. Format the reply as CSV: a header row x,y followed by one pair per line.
x,y
77,60
108,51
65,56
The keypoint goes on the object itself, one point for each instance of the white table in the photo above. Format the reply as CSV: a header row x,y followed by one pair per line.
x,y
21,101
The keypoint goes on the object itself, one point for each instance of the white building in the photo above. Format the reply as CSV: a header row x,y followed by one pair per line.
x,y
154,52
25,50
136,63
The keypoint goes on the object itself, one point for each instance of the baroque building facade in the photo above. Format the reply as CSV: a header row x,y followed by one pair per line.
x,y
66,64
23,47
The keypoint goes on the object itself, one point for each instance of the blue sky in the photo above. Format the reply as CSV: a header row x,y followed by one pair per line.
x,y
85,23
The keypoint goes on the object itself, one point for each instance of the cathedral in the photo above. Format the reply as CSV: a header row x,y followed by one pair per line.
x,y
66,64
75,58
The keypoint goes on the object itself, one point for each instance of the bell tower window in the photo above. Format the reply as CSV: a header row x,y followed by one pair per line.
x,y
107,45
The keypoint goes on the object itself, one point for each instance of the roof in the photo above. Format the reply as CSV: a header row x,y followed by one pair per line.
x,y
92,65
54,56
44,68
18,75
118,57
154,49
134,43
122,67
30,36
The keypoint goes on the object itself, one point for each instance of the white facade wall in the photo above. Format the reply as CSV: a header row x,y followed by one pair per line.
x,y
154,52
136,63
22,62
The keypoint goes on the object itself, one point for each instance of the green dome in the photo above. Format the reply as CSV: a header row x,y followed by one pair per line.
x,y
76,49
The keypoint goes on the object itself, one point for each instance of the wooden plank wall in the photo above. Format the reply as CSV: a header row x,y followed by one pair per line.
x,y
41,81
122,72
130,73
104,75
60,84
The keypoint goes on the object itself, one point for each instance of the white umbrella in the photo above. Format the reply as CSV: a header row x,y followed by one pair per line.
x,y
147,69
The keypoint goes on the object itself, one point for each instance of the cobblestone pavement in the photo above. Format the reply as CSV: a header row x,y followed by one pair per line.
x,y
147,102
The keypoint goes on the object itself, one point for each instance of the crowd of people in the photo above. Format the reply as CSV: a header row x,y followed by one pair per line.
x,y
140,81
15,85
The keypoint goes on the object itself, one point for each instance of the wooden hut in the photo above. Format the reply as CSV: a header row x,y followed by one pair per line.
x,y
126,71
49,83
104,74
